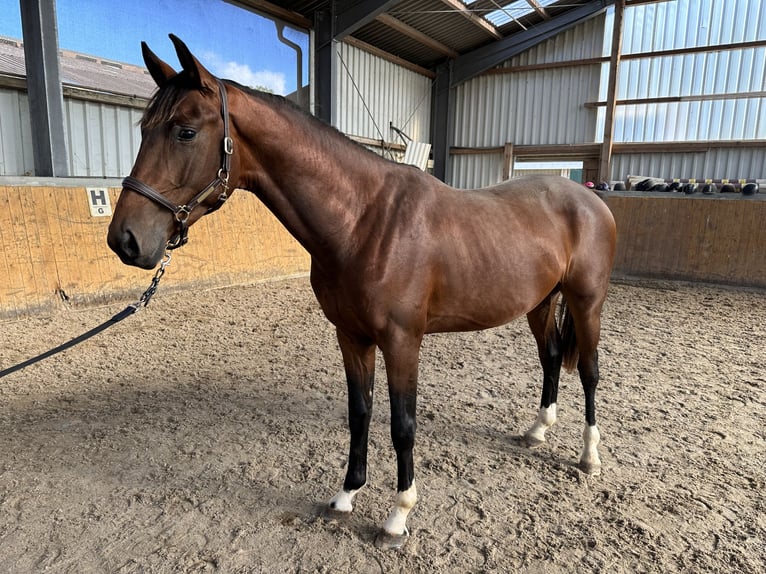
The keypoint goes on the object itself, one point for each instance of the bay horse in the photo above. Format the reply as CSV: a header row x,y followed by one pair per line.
x,y
395,253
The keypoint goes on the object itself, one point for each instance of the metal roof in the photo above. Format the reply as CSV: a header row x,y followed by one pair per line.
x,y
427,33
83,71
472,34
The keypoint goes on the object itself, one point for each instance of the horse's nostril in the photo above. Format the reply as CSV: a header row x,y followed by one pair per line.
x,y
123,242
130,244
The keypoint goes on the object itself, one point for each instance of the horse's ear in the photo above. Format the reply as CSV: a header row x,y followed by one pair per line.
x,y
196,71
159,70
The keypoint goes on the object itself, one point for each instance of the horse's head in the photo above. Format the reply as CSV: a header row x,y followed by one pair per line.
x,y
184,163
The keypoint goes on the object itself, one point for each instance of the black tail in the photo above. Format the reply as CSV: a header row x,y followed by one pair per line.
x,y
568,338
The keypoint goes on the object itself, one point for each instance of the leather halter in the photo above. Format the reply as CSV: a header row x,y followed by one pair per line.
x,y
182,212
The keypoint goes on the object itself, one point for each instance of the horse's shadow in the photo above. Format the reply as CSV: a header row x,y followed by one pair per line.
x,y
181,426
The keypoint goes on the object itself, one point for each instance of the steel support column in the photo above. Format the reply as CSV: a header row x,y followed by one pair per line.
x,y
46,98
441,120
324,66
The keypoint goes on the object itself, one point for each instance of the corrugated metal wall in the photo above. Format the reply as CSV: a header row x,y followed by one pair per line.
x,y
727,163
528,107
102,139
372,93
542,107
475,170
16,155
688,24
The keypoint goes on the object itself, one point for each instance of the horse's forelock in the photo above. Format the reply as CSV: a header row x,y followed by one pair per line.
x,y
164,102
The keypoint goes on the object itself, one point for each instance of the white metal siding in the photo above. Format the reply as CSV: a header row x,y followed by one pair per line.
x,y
477,170
534,107
372,93
687,24
528,107
16,155
102,139
731,163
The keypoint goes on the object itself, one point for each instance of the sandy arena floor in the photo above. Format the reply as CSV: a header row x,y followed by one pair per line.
x,y
204,434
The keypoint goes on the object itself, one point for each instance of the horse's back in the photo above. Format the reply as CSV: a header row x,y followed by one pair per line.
x,y
554,209
542,209
502,249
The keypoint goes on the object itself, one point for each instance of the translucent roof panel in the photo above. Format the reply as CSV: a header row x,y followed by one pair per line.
x,y
513,11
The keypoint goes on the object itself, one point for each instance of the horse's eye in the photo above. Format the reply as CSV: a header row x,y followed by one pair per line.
x,y
186,134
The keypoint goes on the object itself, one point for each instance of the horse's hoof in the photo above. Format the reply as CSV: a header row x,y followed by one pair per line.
x,y
530,441
590,468
330,514
389,541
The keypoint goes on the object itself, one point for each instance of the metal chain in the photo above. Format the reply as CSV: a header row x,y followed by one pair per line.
x,y
152,289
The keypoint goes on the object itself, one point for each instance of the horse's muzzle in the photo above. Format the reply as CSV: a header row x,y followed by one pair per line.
x,y
125,244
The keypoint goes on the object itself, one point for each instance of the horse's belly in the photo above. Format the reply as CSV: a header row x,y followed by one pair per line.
x,y
490,297
474,315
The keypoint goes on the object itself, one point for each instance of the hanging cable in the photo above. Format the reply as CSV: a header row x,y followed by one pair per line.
x,y
383,142
420,103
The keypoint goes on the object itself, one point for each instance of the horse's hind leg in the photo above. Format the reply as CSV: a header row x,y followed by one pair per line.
x,y
590,462
359,363
543,325
586,315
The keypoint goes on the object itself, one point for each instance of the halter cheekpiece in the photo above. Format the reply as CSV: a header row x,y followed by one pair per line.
x,y
182,212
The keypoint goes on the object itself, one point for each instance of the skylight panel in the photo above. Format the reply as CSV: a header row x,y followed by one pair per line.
x,y
509,12
513,11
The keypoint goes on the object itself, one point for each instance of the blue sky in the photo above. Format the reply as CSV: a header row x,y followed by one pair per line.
x,y
231,42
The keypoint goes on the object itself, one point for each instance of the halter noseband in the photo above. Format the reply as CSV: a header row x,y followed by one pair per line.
x,y
182,212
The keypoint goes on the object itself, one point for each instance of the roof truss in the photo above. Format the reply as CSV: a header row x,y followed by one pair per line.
x,y
472,17
473,63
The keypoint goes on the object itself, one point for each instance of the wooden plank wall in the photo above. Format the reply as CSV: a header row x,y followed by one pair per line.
x,y
711,239
53,249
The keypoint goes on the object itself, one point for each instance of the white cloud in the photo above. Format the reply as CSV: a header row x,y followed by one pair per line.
x,y
241,73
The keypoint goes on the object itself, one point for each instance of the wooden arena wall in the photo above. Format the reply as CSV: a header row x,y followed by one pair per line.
x,y
696,238
55,253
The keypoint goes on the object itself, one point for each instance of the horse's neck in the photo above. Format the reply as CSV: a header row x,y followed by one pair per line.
x,y
317,184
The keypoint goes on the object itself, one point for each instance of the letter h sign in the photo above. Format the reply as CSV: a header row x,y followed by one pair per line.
x,y
98,200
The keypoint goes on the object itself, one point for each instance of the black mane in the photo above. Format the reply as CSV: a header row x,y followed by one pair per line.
x,y
163,104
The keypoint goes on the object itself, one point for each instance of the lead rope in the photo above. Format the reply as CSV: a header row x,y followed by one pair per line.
x,y
143,301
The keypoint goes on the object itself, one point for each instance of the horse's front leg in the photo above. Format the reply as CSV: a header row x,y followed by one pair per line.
x,y
359,363
402,370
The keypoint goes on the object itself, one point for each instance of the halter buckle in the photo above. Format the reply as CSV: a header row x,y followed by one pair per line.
x,y
228,145
182,214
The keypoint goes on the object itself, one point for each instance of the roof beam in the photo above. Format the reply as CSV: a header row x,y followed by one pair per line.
x,y
416,35
485,25
406,64
473,63
273,11
358,14
539,9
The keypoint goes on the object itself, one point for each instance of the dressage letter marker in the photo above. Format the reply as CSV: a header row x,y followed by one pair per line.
x,y
98,201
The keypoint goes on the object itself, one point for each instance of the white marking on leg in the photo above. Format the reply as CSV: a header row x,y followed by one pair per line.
x,y
343,501
590,459
397,520
546,418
